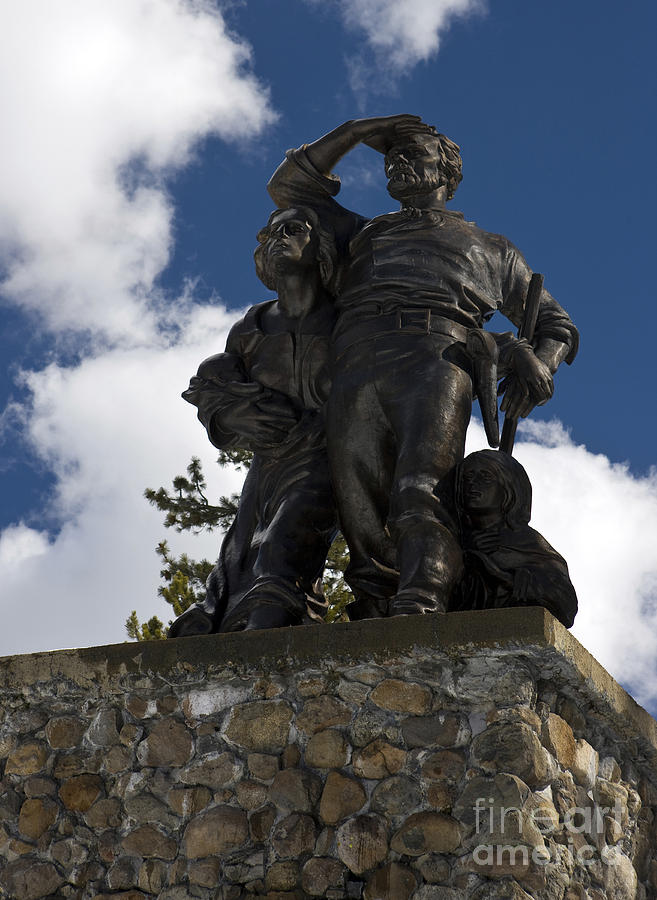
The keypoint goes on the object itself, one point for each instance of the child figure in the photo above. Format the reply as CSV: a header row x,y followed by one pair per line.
x,y
507,563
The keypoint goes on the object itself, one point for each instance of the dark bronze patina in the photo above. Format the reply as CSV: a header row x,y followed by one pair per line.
x,y
391,311
266,393
410,287
507,563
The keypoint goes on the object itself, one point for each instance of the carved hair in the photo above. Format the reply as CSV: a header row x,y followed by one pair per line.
x,y
516,509
326,253
450,164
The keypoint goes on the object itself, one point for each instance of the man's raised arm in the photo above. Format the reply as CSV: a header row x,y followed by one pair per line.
x,y
325,152
318,159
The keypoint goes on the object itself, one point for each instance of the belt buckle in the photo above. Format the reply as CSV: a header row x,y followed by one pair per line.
x,y
417,319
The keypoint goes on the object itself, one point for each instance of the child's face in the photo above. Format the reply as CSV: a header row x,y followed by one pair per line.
x,y
481,489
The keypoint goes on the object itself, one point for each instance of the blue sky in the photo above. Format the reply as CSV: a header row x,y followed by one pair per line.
x,y
138,142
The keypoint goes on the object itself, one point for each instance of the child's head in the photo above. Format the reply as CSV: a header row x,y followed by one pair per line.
x,y
490,481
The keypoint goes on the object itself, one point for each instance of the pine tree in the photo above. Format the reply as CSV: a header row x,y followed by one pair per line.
x,y
153,630
187,508
336,589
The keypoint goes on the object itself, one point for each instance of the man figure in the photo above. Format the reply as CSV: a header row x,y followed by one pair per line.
x,y
409,288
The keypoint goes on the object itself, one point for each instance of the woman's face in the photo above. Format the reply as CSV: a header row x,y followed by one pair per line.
x,y
290,241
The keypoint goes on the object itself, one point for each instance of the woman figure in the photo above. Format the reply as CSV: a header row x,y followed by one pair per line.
x,y
266,393
507,563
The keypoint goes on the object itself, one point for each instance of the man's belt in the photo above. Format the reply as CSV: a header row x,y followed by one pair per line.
x,y
407,321
480,346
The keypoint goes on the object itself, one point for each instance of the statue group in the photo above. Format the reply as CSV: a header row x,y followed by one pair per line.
x,y
354,390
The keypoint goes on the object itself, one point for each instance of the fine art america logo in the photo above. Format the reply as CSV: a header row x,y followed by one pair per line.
x,y
511,836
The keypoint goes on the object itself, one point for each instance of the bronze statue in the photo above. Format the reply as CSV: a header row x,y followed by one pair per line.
x,y
266,393
383,317
507,563
413,290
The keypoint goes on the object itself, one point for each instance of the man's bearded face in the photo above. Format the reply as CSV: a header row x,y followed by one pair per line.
x,y
413,168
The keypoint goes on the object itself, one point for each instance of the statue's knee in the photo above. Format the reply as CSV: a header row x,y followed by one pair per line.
x,y
413,492
412,510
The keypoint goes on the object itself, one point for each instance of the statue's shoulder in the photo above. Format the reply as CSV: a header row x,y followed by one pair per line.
x,y
241,337
252,318
491,239
531,543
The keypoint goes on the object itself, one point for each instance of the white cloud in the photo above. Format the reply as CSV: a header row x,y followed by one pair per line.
x,y
19,543
603,520
101,102
359,174
399,35
405,33
107,429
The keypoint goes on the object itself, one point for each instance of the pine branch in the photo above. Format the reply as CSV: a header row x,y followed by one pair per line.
x,y
187,508
153,630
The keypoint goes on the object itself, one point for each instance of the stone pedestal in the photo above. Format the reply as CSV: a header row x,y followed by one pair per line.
x,y
476,755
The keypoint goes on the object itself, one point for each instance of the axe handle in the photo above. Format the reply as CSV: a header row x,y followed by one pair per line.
x,y
526,331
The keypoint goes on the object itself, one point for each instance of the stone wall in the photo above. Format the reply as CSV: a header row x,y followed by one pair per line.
x,y
477,755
